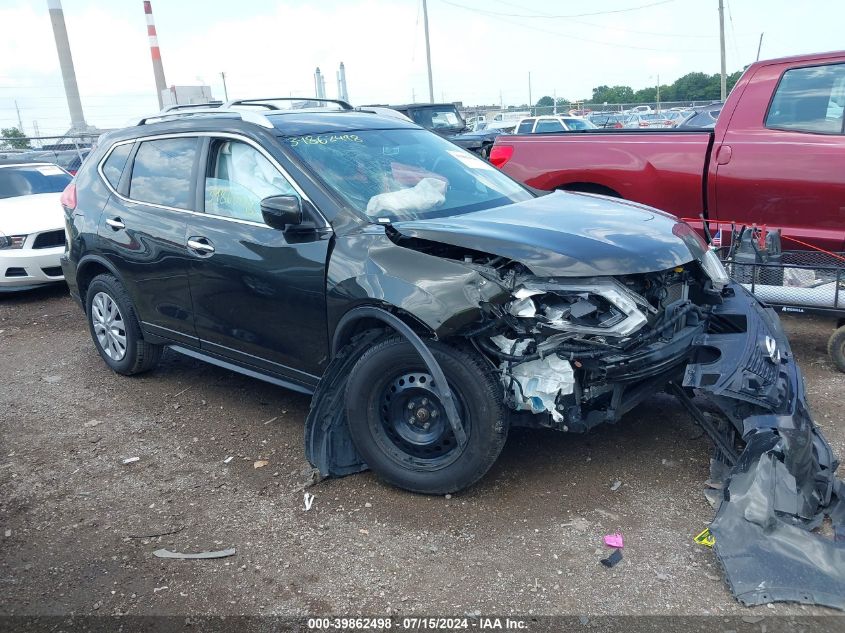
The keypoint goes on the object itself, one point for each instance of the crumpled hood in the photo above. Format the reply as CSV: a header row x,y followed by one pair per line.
x,y
568,234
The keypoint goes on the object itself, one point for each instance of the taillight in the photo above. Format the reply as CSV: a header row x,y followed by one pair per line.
x,y
500,154
68,198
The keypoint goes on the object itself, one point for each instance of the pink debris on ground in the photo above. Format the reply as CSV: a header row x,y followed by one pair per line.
x,y
613,540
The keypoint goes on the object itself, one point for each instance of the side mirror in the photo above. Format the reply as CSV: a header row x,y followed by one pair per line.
x,y
280,212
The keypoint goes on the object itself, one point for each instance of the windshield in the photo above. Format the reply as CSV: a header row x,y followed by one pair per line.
x,y
437,118
29,180
406,174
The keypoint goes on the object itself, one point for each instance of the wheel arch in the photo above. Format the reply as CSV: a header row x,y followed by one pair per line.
x,y
89,267
372,316
590,187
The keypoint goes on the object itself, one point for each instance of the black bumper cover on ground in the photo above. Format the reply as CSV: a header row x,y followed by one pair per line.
x,y
784,484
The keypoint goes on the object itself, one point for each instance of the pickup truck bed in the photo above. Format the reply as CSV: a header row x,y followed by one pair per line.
x,y
660,169
776,156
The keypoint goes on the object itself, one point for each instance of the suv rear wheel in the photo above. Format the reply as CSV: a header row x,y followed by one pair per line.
x,y
115,329
399,424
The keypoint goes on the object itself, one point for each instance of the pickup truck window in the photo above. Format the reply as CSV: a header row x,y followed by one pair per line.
x,y
809,100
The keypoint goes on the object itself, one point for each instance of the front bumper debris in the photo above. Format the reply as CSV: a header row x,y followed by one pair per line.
x,y
780,487
783,484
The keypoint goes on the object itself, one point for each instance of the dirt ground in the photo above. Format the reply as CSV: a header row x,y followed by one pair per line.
x,y
75,520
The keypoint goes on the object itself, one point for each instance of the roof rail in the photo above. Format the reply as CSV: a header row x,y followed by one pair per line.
x,y
244,115
267,103
186,106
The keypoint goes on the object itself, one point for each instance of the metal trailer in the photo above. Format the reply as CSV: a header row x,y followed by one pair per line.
x,y
801,282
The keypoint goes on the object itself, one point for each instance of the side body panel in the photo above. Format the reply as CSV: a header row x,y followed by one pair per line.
x,y
660,169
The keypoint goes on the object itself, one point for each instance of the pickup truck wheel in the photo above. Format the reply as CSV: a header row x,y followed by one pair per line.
x,y
115,329
399,425
836,348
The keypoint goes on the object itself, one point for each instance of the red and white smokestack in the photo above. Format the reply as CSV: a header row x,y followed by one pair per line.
x,y
158,69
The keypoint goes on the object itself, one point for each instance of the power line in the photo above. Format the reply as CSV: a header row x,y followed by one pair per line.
x,y
495,16
575,15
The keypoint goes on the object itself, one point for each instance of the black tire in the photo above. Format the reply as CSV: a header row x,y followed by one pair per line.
x,y
139,355
836,347
431,462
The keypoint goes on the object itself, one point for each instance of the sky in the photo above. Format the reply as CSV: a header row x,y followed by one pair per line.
x,y
482,51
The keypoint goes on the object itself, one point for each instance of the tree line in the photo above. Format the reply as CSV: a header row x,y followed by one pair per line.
x,y
690,87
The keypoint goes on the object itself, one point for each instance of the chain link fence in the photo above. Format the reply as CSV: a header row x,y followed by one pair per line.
x,y
66,151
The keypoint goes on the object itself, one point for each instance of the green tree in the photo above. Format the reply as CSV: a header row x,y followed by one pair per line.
x,y
546,101
15,139
614,94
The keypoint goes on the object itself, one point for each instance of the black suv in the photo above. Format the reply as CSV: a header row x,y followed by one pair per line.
x,y
428,301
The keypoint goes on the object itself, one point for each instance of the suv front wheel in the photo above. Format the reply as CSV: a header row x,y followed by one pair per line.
x,y
399,425
115,329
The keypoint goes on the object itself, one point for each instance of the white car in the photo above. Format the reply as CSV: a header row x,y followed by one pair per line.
x,y
551,123
32,234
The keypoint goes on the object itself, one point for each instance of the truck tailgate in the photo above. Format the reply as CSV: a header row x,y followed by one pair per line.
x,y
663,169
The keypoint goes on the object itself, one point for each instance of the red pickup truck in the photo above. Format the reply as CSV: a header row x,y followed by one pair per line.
x,y
776,156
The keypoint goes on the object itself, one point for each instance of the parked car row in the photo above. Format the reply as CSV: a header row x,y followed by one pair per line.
x,y
69,160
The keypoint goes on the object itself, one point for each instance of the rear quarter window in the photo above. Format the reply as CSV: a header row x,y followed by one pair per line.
x,y
113,167
809,99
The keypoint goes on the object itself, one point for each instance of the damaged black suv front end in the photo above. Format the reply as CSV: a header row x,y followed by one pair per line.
x,y
563,311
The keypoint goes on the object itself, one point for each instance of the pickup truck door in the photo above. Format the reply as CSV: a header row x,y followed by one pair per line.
x,y
781,161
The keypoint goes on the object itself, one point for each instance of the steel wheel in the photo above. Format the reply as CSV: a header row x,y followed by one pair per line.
x,y
108,326
412,426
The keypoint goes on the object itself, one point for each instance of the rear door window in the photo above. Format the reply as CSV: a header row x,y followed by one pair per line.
x,y
550,126
809,100
162,172
113,167
525,127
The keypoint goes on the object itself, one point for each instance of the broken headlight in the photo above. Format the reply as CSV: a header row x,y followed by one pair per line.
x,y
602,307
714,268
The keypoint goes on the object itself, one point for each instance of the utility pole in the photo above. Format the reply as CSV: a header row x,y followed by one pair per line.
x,y
759,46
20,121
658,93
225,91
530,102
722,48
428,53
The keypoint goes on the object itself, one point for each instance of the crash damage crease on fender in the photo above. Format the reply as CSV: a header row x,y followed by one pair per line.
x,y
579,340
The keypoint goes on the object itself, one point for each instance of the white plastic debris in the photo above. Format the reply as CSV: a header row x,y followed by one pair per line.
x,y
537,384
228,459
130,460
510,346
308,499
616,485
428,193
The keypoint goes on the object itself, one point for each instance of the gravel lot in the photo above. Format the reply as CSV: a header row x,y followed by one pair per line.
x,y
74,519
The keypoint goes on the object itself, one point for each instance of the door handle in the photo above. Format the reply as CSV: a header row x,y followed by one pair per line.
x,y
201,245
116,223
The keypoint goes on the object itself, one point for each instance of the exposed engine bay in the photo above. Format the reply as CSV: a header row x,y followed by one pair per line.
x,y
571,348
